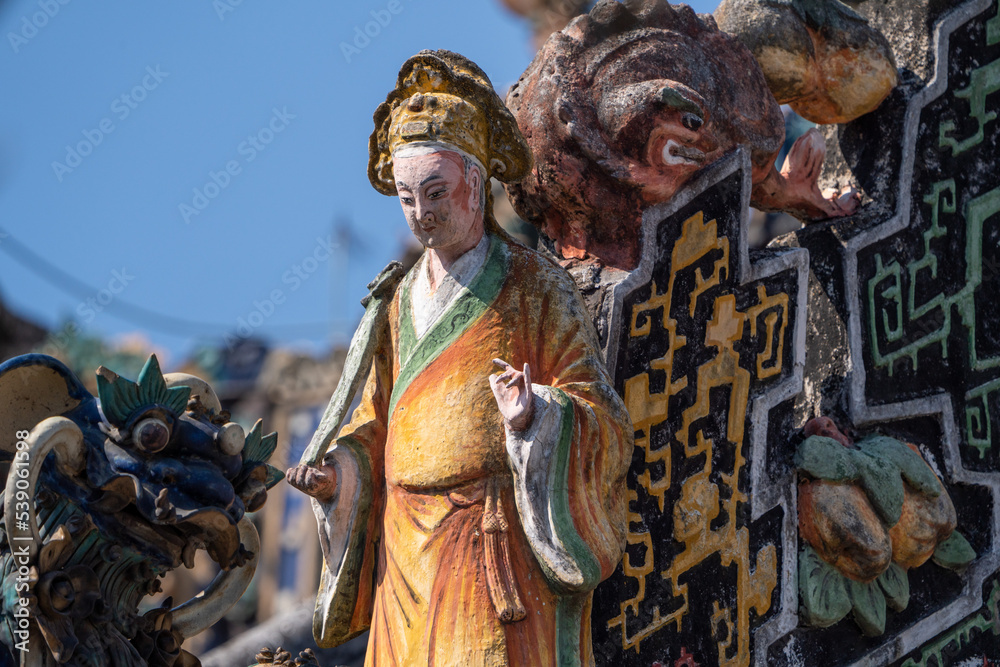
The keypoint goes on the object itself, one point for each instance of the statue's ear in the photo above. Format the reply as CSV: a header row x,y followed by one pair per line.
x,y
34,387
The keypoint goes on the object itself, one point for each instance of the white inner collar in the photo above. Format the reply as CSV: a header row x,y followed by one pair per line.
x,y
428,306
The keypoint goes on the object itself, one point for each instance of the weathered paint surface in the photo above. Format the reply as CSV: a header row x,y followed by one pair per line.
x,y
704,345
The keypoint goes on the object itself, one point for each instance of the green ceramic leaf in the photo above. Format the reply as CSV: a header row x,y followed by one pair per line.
x,y
258,448
121,397
273,476
825,458
895,583
869,606
822,591
153,389
883,486
954,553
118,396
910,464
880,464
268,443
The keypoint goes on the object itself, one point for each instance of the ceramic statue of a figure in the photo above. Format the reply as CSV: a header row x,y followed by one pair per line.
x,y
477,495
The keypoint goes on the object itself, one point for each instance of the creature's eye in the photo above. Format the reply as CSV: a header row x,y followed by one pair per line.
x,y
407,200
151,435
691,121
436,194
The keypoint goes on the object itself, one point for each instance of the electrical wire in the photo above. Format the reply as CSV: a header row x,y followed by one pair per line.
x,y
127,311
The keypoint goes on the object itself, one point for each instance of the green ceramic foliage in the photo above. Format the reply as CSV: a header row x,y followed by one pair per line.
x,y
257,449
895,584
826,596
825,458
910,464
882,484
879,465
955,553
121,397
869,606
822,591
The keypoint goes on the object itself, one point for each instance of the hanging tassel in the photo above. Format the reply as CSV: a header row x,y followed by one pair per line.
x,y
499,572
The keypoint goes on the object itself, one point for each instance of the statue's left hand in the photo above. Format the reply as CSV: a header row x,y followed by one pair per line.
x,y
512,390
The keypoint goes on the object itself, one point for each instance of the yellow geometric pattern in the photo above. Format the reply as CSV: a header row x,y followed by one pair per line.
x,y
701,501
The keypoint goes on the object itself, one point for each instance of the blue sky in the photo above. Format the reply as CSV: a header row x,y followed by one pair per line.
x,y
197,159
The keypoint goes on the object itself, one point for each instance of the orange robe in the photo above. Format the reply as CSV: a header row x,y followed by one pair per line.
x,y
443,521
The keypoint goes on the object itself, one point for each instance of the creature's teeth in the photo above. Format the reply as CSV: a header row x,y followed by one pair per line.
x,y
675,153
187,554
164,510
142,571
165,514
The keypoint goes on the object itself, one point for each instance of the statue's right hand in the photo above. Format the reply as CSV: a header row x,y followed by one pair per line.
x,y
319,482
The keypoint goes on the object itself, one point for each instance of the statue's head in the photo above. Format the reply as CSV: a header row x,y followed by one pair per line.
x,y
439,137
442,193
621,109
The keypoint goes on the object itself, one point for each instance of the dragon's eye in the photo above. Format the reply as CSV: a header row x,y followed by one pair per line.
x,y
151,435
691,121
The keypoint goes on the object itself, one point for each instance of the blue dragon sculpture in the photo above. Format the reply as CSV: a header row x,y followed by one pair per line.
x,y
103,497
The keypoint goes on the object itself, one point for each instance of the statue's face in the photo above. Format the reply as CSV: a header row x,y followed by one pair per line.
x,y
441,205
669,137
677,147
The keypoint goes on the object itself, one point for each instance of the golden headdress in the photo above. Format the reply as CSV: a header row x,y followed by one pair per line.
x,y
443,97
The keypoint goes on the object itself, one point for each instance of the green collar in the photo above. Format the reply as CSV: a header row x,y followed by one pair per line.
x,y
472,300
